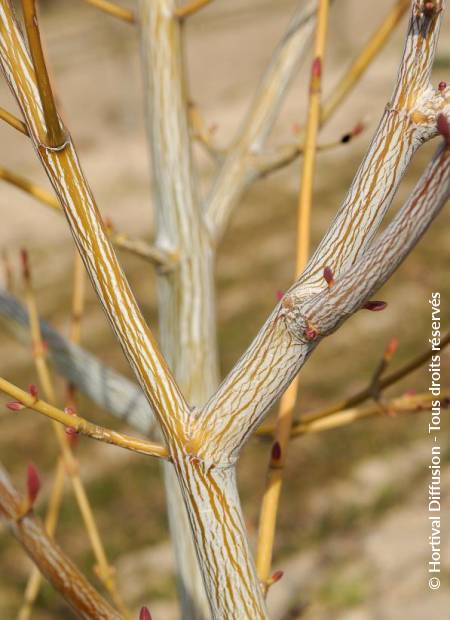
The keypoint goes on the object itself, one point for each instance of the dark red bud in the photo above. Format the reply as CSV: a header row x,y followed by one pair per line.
x,y
276,451
25,264
277,576
442,86
33,391
144,614
33,483
329,277
14,405
375,306
443,127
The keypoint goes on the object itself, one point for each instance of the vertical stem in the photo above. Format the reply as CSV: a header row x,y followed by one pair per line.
x,y
269,509
186,294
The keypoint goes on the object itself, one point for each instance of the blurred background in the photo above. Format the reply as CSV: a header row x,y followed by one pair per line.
x,y
353,529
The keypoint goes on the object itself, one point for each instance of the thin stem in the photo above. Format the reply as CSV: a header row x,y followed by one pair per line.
x,y
384,383
55,137
80,425
115,10
191,8
402,404
49,558
13,121
164,260
269,509
35,579
104,569
363,60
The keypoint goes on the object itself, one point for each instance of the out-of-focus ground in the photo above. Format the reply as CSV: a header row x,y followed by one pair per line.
x,y
353,528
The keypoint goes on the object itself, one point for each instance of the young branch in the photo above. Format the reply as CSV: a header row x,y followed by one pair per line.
x,y
272,491
103,385
104,569
12,120
363,60
362,395
49,558
163,260
298,323
114,10
54,133
402,404
191,8
237,170
80,425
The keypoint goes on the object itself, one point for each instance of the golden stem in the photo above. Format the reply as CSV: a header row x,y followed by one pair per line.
x,y
13,121
81,425
364,394
403,404
115,10
190,8
274,482
360,64
55,134
134,246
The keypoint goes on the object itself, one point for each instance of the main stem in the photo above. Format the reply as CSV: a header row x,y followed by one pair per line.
x,y
189,343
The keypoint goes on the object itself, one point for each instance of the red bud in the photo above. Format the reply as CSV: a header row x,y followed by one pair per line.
x,y
14,405
144,614
443,127
33,483
276,451
316,68
375,306
33,391
391,348
279,295
442,86
277,576
358,128
310,333
329,277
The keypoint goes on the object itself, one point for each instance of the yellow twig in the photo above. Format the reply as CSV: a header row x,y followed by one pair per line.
x,y
80,425
104,570
13,121
364,394
55,137
190,8
137,247
402,404
274,482
360,64
115,10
